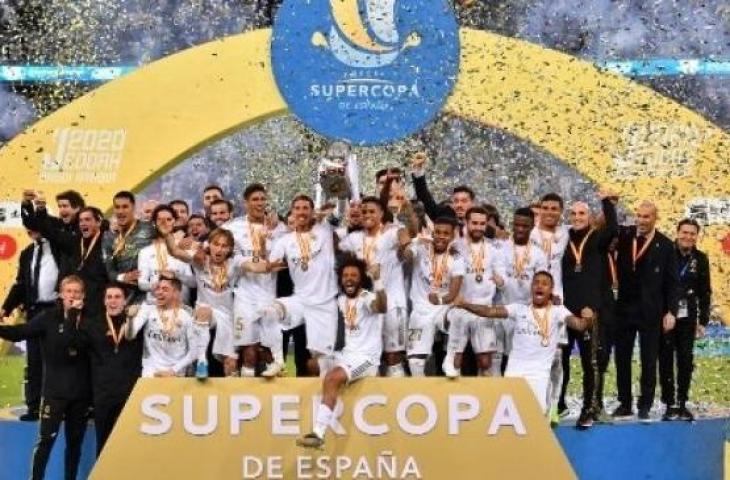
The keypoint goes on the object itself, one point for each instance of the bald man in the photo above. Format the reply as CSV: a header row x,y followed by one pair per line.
x,y
583,269
648,297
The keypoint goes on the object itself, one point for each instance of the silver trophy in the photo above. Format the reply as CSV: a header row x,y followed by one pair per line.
x,y
337,178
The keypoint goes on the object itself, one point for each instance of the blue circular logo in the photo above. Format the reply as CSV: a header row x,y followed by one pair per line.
x,y
365,71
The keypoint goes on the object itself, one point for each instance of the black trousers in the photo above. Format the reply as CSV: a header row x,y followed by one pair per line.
x,y
593,366
106,413
33,374
301,354
629,324
53,411
678,342
215,367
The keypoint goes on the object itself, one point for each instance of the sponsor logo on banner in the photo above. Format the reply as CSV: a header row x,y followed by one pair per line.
x,y
709,211
10,215
658,150
178,428
84,155
365,71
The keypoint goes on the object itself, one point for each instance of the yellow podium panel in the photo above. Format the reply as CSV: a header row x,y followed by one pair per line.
x,y
385,428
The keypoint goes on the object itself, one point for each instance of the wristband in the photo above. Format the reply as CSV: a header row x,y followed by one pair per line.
x,y
378,285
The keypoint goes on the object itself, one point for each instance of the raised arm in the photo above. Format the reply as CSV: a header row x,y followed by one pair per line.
x,y
418,164
380,303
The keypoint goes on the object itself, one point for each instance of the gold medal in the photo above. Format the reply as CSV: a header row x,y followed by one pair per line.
x,y
257,241
350,314
478,259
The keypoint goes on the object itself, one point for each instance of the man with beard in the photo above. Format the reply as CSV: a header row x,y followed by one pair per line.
x,y
692,317
362,312
309,253
537,328
121,248
462,197
648,298
380,244
66,393
116,362
483,271
438,271
221,211
583,267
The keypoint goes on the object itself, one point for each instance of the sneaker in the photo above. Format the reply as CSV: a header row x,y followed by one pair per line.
x,y
622,411
29,417
585,420
684,414
601,416
670,414
644,415
272,370
201,370
310,440
449,370
554,417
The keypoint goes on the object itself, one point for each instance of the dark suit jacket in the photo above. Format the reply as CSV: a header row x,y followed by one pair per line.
x,y
695,284
657,275
585,288
21,293
66,240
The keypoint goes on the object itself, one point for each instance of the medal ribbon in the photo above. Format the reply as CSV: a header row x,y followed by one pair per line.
x,y
636,256
115,334
578,252
521,262
439,266
612,269
168,325
85,253
303,240
256,239
478,258
121,242
351,313
161,255
218,275
542,322
368,247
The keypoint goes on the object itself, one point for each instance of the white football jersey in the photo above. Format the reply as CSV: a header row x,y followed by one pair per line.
x,y
527,348
314,280
364,332
426,266
553,246
478,286
173,349
519,264
381,249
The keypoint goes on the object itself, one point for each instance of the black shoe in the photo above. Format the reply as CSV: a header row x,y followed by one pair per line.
x,y
622,411
29,417
670,414
644,415
684,414
585,420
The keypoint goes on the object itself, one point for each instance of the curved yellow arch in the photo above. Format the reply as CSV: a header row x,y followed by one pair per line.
x,y
610,129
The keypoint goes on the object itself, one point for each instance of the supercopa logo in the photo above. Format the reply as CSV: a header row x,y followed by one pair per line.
x,y
365,71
